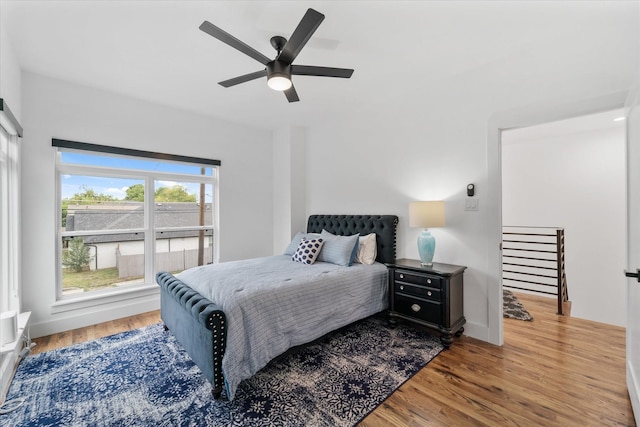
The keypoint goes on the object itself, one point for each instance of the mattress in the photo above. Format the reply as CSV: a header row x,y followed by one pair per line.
x,y
272,304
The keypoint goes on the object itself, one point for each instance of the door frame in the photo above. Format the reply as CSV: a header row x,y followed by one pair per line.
x,y
518,118
631,357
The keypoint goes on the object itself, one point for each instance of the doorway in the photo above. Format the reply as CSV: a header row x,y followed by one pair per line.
x,y
572,174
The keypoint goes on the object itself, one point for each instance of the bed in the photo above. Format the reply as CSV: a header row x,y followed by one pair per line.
x,y
232,318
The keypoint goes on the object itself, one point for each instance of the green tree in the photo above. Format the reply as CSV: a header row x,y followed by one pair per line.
x,y
77,255
65,208
88,197
135,193
177,193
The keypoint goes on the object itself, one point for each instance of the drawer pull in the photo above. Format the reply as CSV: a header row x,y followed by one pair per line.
x,y
429,293
429,281
415,307
401,288
402,276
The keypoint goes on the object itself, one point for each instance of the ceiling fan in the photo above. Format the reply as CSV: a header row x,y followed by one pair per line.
x,y
280,69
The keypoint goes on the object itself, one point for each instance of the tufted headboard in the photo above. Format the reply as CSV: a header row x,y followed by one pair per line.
x,y
345,225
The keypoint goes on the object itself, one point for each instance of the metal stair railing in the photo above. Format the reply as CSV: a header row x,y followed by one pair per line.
x,y
534,258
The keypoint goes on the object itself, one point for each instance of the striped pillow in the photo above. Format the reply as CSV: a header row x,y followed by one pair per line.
x,y
339,250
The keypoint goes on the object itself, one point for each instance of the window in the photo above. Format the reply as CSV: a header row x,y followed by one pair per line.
x,y
9,221
10,133
124,215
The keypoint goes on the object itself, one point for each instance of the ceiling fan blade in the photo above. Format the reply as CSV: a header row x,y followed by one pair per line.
x,y
291,94
301,35
310,70
227,38
241,79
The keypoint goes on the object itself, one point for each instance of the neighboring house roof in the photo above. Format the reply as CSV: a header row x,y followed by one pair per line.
x,y
128,215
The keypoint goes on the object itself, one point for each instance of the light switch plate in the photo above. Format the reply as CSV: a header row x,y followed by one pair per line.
x,y
471,205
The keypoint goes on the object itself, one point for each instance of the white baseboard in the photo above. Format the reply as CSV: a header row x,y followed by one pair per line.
x,y
83,318
477,331
633,386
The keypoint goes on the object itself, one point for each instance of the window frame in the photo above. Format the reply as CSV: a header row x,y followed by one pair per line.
x,y
10,216
10,247
149,229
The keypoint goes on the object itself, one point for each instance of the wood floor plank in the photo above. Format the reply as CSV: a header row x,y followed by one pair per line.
x,y
553,371
100,330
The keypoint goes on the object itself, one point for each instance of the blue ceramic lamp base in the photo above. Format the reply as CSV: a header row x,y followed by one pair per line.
x,y
426,247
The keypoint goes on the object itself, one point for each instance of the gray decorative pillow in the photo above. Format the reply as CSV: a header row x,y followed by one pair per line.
x,y
293,245
339,250
308,251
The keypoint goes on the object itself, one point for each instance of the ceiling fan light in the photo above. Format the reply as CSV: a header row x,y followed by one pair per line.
x,y
278,75
281,83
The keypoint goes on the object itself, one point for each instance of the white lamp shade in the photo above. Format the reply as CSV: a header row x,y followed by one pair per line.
x,y
426,214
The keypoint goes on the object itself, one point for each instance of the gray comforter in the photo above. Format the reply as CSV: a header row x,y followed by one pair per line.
x,y
272,304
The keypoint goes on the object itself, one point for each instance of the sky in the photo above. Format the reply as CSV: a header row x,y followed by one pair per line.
x,y
117,187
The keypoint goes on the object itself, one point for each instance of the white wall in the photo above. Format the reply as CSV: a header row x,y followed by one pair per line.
x,y
429,143
576,181
379,164
56,109
289,171
10,79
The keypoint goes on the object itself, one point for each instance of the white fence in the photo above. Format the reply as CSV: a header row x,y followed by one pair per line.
x,y
133,265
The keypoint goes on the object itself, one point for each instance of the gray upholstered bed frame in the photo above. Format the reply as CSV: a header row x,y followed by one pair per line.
x,y
200,325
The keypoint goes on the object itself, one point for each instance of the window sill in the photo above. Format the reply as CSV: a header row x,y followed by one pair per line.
x,y
77,303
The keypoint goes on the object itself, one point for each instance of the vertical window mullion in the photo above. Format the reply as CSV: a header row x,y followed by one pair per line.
x,y
15,222
9,221
216,211
4,243
58,247
150,234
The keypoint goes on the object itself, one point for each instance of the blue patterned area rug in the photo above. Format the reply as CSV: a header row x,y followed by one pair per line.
x,y
145,378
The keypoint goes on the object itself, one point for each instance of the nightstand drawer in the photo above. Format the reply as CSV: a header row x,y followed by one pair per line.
x,y
418,279
428,311
418,291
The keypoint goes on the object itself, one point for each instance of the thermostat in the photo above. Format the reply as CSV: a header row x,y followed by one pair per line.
x,y
471,189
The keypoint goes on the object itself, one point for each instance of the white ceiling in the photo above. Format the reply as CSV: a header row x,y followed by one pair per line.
x,y
153,50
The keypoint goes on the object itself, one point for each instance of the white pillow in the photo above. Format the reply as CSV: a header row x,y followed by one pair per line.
x,y
308,251
367,249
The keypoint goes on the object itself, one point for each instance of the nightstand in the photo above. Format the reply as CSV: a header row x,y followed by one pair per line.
x,y
429,296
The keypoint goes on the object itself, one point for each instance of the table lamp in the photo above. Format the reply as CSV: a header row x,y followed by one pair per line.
x,y
426,215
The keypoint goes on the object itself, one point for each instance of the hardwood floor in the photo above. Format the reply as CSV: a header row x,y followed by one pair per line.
x,y
93,332
554,371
